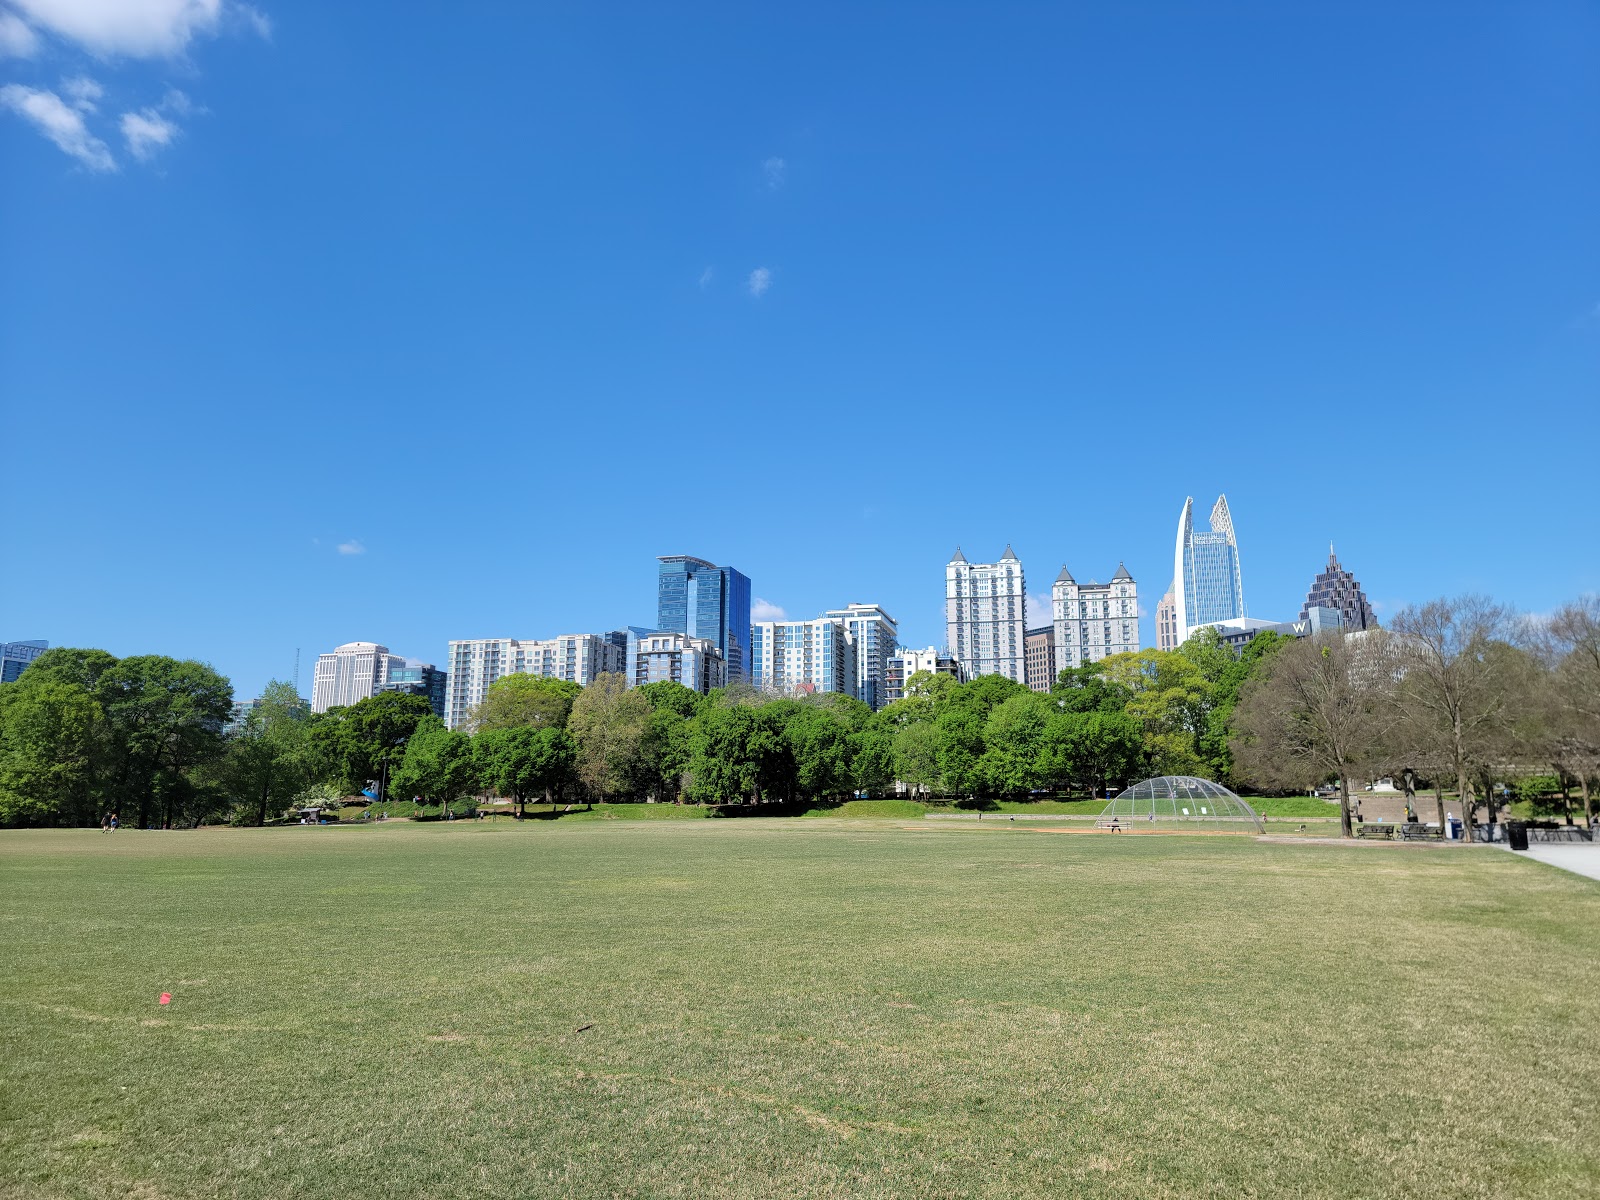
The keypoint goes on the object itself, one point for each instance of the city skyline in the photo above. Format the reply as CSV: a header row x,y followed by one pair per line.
x,y
1359,252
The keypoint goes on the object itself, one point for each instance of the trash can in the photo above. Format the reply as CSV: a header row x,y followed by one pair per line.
x,y
1517,835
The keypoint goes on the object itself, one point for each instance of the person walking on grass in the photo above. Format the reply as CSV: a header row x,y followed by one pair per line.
x,y
113,822
105,823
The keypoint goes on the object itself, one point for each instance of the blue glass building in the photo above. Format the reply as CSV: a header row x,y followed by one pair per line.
x,y
1207,584
15,657
706,601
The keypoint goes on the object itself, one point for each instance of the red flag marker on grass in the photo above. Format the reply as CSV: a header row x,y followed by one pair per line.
x,y
166,997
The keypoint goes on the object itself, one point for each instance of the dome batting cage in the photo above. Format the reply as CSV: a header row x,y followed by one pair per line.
x,y
1179,802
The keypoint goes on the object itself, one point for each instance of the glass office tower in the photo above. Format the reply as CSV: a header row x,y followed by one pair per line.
x,y
706,601
1207,585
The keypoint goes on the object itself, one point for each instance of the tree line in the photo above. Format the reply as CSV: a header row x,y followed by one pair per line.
x,y
1455,694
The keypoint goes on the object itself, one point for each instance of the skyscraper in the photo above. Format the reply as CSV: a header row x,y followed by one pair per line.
x,y
1167,620
475,663
1093,619
1337,588
1207,585
804,656
876,635
1040,644
985,625
706,601
659,656
352,672
15,657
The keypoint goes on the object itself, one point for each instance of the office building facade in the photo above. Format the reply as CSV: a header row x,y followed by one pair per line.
x,y
475,664
1208,585
15,657
984,614
1337,588
1093,620
350,673
801,657
662,655
1040,646
876,636
414,678
703,600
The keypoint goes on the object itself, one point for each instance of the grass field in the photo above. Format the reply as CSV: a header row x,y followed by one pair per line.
x,y
767,1008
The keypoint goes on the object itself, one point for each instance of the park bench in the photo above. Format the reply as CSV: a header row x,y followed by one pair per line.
x,y
1415,831
1379,832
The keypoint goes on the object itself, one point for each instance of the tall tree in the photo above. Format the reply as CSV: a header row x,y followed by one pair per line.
x,y
608,724
271,759
438,764
365,740
1317,709
524,762
1012,738
1451,691
51,732
515,700
1571,648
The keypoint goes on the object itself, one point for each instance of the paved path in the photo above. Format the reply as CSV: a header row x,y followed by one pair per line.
x,y
1577,858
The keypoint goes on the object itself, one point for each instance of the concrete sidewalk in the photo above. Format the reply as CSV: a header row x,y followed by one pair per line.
x,y
1577,858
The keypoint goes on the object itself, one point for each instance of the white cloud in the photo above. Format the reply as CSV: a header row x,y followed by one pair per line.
x,y
765,610
59,122
16,39
146,132
705,278
760,280
352,547
1038,609
140,28
774,169
82,93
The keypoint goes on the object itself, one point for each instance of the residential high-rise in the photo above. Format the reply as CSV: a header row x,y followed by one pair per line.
x,y
905,662
876,635
1337,588
803,656
984,615
579,658
660,655
15,657
1040,646
1207,584
706,601
1167,621
352,672
1093,619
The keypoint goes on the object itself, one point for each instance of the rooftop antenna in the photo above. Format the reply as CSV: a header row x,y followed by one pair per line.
x,y
297,670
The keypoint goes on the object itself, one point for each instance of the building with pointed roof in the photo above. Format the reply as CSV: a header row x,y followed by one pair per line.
x,y
1337,588
1093,620
984,614
1207,584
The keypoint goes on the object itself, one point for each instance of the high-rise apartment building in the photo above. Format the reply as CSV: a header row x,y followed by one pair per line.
x,y
1040,644
876,635
1207,584
906,662
1167,621
804,656
475,663
15,657
696,597
1093,620
351,672
984,615
660,655
1337,588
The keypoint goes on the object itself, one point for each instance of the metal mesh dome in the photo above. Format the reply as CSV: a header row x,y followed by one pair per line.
x,y
1180,801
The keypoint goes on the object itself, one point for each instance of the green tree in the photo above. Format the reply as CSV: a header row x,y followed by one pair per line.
x,y
515,700
165,719
739,750
819,741
1011,739
365,740
914,751
1169,695
271,759
525,762
1086,689
438,764
608,724
667,696
51,731
1086,750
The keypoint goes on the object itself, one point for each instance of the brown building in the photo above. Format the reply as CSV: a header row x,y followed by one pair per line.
x,y
1040,652
1167,622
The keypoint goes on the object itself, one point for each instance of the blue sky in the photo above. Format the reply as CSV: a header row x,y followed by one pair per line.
x,y
404,323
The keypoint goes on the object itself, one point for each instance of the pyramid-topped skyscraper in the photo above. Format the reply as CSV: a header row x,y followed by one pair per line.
x,y
1337,588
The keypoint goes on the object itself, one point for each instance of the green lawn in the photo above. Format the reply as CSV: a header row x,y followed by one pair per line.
x,y
770,1008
